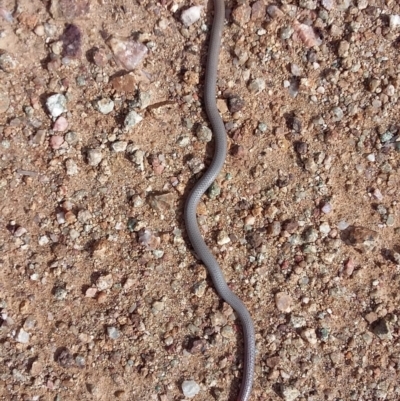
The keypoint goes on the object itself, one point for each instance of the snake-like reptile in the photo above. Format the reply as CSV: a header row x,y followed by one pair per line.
x,y
198,191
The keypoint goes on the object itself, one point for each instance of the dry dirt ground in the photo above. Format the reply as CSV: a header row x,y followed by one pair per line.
x,y
100,295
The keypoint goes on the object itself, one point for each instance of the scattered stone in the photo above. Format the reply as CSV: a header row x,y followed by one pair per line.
x,y
61,124
283,302
196,165
190,388
56,141
69,9
235,104
119,146
22,336
310,235
204,134
290,393
274,11
328,4
104,105
72,42
148,239
381,329
104,282
256,85
128,52
394,21
223,238
7,62
258,10
94,157
191,15
306,34
71,167
64,358
241,14
310,336
4,102
71,137
113,333
360,237
162,202
91,292
344,47
132,119
56,104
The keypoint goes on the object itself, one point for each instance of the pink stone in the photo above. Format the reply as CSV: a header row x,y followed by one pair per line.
x,y
61,124
128,52
56,141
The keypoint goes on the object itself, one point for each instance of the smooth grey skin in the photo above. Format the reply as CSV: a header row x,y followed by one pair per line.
x,y
197,192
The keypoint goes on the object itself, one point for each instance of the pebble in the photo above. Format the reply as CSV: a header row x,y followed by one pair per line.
x,y
310,235
104,105
132,119
56,141
61,124
113,333
324,228
69,9
56,104
344,48
190,388
200,288
71,167
241,14
394,21
22,336
119,146
308,4
256,85
283,302
94,156
104,282
191,15
381,329
128,52
326,208
91,292
71,137
223,238
43,240
204,134
290,393
7,62
361,237
4,102
309,335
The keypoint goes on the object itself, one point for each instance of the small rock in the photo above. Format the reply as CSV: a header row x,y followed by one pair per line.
x,y
381,329
344,48
104,282
223,238
105,105
309,335
94,157
241,14
235,104
283,302
7,62
71,167
119,146
128,52
326,208
56,141
290,393
69,9
132,119
71,137
22,336
394,21
190,388
191,15
56,104
310,235
113,333
72,42
61,124
4,102
204,134
274,11
257,85
91,292
360,237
